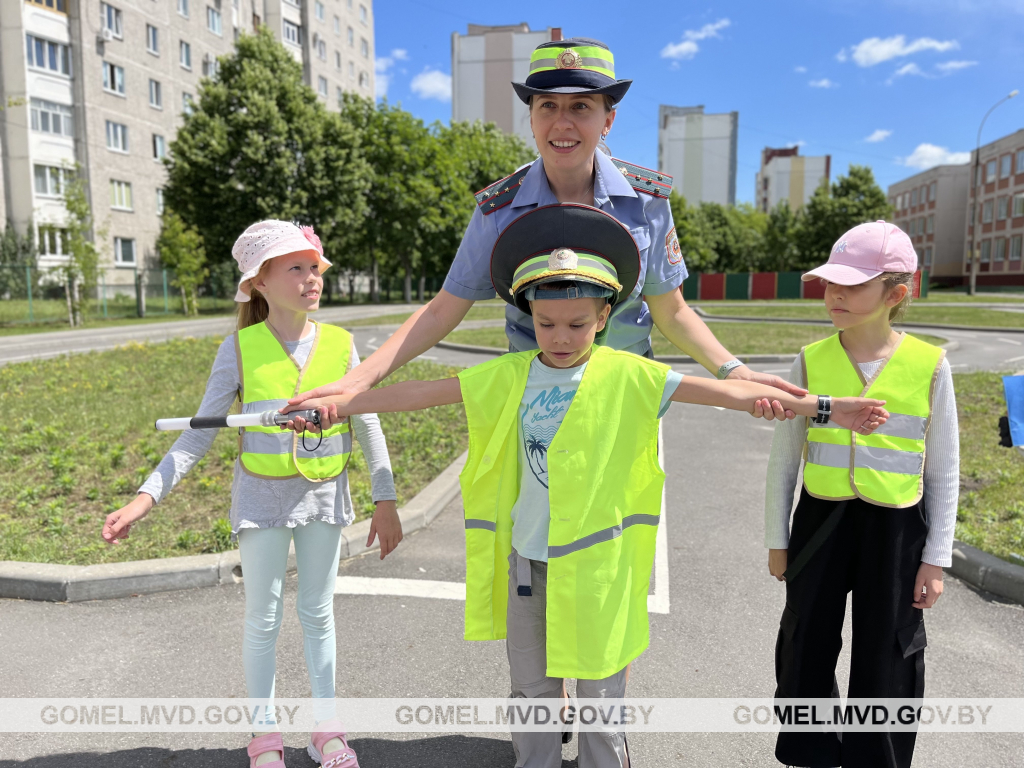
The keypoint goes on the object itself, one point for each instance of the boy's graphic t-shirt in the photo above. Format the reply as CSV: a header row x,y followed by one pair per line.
x,y
549,391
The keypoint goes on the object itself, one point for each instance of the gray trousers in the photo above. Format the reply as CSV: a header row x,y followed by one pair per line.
x,y
527,662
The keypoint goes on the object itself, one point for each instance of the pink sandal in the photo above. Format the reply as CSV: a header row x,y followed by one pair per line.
x,y
268,742
341,758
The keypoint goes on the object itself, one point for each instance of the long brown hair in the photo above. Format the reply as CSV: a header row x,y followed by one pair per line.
x,y
890,280
256,309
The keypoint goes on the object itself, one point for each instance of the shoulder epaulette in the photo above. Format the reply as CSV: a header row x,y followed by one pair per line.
x,y
644,179
500,193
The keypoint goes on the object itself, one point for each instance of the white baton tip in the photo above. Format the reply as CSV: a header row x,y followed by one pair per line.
x,y
169,425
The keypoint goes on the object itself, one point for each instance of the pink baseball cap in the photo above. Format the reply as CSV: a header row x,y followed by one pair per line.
x,y
865,252
266,239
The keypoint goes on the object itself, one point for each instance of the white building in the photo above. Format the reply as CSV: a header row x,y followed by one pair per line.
x,y
699,151
785,175
485,61
104,84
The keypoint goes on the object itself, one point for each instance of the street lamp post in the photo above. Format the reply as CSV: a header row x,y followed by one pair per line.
x,y
973,287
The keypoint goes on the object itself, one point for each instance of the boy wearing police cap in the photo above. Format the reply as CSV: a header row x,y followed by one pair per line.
x,y
562,487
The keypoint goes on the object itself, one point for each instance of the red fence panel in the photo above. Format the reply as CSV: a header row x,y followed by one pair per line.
x,y
712,286
814,289
763,285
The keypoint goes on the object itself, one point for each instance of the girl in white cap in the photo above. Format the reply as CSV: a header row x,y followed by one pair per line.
x,y
876,513
285,487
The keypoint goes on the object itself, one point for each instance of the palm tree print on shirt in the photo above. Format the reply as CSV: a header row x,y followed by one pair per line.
x,y
540,421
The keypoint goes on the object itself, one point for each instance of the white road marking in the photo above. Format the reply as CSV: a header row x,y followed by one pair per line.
x,y
372,340
775,370
364,585
1010,341
658,602
1014,359
718,407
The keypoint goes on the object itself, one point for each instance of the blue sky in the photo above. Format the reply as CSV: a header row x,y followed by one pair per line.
x,y
899,85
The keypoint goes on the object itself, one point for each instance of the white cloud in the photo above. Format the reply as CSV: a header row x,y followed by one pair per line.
x,y
875,50
432,84
841,56
797,143
687,48
948,67
907,69
799,70
929,155
879,135
823,83
382,66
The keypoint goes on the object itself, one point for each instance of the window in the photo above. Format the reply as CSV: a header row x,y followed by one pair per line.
x,y
211,67
113,78
152,40
1005,166
1015,248
187,105
50,180
296,3
1018,205
321,86
352,70
364,80
337,60
121,195
117,136
159,147
971,218
913,197
932,190
364,48
362,13
321,50
124,251
986,251
1000,249
337,25
351,37
1001,208
349,3
990,171
48,117
930,227
43,54
291,32
183,8
156,98
986,212
53,5
927,257
111,18
160,201
924,195
53,241
213,20
185,54
341,95
318,7
1020,161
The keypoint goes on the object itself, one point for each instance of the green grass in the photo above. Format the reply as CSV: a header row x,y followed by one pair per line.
x,y
738,338
920,313
481,311
78,440
991,513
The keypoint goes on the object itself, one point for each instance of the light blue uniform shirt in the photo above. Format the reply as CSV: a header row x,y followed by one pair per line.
x,y
648,218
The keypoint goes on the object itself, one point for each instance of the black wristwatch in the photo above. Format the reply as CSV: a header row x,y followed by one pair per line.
x,y
824,409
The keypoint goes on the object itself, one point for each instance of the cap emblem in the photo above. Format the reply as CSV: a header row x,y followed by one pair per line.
x,y
840,247
569,59
563,258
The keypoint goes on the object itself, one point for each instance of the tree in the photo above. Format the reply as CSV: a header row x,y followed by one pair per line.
x,y
718,238
17,261
181,248
259,144
781,254
80,268
853,199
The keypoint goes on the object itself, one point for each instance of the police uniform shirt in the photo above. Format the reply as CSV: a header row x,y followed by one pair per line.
x,y
648,219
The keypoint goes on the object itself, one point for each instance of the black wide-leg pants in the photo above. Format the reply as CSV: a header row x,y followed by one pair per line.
x,y
873,552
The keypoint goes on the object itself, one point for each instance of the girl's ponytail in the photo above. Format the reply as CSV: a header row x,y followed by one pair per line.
x,y
253,311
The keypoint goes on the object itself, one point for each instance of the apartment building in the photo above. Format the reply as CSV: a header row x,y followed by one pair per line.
x,y
104,85
929,207
994,214
699,150
787,176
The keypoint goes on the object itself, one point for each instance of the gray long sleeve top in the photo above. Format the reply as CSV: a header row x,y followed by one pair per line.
x,y
260,503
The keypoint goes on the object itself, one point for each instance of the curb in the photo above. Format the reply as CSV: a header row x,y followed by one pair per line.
x,y
805,321
987,572
74,583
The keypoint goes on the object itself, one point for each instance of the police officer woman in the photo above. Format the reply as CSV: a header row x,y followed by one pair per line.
x,y
572,92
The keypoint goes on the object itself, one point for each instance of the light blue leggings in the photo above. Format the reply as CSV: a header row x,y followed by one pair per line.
x,y
264,553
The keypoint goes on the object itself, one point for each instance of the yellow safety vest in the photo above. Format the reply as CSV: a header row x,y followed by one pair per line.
x,y
886,467
270,376
605,488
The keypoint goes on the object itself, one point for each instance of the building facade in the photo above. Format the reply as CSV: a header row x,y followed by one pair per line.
x,y
104,85
929,207
995,216
699,151
484,62
786,176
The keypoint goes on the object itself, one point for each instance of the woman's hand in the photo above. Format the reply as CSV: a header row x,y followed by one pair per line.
x,y
778,561
927,585
386,525
859,414
119,523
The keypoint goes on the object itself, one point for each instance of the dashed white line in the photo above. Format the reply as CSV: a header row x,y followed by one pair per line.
x,y
364,585
1010,341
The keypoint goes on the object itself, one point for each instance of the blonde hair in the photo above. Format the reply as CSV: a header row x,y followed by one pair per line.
x,y
256,309
890,280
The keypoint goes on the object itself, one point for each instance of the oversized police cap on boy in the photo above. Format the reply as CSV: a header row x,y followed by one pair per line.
x,y
560,243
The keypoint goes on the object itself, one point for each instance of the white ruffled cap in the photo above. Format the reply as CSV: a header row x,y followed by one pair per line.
x,y
266,239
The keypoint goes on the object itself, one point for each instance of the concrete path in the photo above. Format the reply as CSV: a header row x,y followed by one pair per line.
x,y
717,639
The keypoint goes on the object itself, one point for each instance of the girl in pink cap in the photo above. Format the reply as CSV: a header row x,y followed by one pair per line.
x,y
286,487
876,513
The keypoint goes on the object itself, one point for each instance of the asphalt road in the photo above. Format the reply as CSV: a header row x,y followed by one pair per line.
x,y
717,639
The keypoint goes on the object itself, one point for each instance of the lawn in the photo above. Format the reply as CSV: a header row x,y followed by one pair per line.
x,y
480,311
921,313
79,440
738,338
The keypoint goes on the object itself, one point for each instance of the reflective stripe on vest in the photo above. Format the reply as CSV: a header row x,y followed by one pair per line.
x,y
885,468
604,487
270,376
